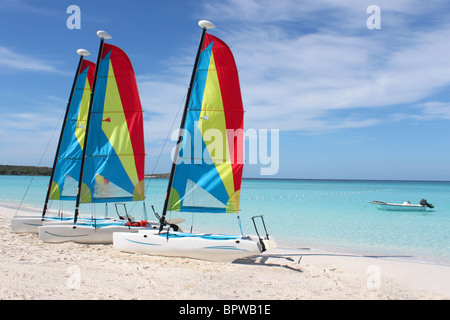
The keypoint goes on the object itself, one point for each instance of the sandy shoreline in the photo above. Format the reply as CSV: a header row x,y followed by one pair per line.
x,y
31,269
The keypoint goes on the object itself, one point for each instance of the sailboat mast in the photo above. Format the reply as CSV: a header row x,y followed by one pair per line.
x,y
103,35
82,53
205,25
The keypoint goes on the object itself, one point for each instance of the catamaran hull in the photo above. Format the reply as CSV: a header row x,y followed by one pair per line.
x,y
86,234
196,246
31,224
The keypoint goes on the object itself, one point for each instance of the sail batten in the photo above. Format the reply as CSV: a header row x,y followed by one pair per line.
x,y
209,180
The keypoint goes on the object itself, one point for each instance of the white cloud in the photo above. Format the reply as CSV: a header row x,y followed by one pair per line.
x,y
29,138
22,6
13,61
436,110
161,101
432,110
294,75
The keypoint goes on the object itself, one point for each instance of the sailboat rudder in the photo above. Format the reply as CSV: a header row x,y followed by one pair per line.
x,y
268,244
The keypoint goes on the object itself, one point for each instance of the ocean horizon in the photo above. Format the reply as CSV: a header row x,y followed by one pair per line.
x,y
328,214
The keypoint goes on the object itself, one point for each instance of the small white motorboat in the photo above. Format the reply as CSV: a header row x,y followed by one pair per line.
x,y
405,206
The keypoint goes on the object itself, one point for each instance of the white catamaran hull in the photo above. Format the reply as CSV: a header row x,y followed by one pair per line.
x,y
31,224
87,234
209,247
26,223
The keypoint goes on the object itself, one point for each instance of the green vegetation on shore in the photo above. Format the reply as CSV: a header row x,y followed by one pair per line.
x,y
45,171
24,170
158,176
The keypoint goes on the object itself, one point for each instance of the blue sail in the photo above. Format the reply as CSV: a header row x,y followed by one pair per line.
x,y
209,173
68,164
115,152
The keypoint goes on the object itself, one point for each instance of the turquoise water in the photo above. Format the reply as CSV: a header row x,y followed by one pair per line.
x,y
327,214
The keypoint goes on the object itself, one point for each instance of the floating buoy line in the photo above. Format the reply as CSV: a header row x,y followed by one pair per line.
x,y
314,195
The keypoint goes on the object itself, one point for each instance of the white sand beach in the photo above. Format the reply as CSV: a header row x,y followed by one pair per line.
x,y
31,269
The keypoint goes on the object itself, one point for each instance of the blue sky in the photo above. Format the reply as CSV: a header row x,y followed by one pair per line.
x,y
349,102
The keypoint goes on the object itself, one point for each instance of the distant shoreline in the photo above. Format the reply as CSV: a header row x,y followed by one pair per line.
x,y
24,170
14,170
157,176
11,170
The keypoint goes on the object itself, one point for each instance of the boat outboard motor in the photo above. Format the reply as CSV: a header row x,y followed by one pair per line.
x,y
424,203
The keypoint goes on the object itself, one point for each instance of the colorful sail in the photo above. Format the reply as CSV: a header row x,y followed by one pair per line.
x,y
115,153
208,174
67,169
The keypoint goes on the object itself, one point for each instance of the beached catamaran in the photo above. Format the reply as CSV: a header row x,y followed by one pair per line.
x,y
206,179
107,166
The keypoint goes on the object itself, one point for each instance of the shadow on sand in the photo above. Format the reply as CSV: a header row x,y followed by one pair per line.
x,y
292,261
